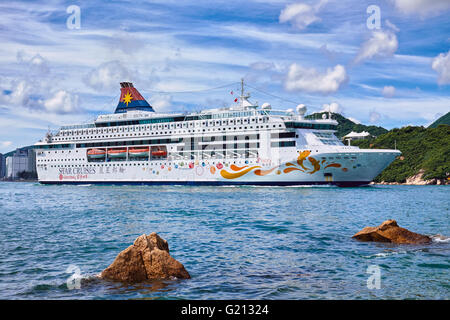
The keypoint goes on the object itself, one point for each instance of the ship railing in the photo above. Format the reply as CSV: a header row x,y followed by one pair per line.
x,y
254,154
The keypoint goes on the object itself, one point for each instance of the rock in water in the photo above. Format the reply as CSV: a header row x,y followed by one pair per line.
x,y
148,258
389,231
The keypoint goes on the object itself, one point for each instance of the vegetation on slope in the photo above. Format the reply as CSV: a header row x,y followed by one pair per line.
x,y
422,148
445,119
346,126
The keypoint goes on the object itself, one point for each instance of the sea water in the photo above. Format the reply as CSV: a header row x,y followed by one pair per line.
x,y
236,242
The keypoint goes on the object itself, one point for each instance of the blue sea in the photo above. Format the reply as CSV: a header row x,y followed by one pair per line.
x,y
236,242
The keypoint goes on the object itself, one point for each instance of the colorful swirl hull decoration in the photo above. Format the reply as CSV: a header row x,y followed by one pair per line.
x,y
260,172
290,167
230,175
287,170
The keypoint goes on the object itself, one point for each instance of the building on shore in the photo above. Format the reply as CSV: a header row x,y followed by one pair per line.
x,y
21,164
2,166
357,135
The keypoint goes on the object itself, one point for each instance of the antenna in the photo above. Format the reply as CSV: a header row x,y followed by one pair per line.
x,y
243,96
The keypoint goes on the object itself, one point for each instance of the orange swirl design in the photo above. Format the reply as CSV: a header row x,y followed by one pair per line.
x,y
260,172
315,163
303,155
230,175
336,165
287,170
236,168
290,164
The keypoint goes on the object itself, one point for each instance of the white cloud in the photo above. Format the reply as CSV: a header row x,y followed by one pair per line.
x,y
5,144
126,42
29,95
300,15
374,116
441,64
261,72
380,45
421,7
330,54
108,75
39,64
310,80
392,26
333,107
62,102
286,39
262,66
19,95
161,102
388,91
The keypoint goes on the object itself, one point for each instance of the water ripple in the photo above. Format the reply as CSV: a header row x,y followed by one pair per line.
x,y
236,242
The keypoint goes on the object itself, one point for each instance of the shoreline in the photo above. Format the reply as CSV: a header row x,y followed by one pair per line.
x,y
33,180
432,182
415,182
383,183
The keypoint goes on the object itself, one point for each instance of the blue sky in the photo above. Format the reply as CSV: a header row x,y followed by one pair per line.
x,y
320,53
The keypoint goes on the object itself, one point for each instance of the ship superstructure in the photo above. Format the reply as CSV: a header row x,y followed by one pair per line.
x,y
242,144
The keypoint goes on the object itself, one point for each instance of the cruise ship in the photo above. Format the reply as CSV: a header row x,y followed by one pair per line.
x,y
242,144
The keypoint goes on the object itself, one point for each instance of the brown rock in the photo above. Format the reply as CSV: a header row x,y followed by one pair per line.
x,y
389,231
148,258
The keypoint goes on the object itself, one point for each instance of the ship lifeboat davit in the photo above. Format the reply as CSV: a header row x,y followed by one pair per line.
x,y
117,153
96,153
159,153
139,152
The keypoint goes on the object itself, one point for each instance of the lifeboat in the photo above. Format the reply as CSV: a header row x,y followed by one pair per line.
x,y
159,153
96,153
139,152
117,153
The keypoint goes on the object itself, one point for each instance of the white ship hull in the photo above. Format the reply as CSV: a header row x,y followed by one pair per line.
x,y
359,170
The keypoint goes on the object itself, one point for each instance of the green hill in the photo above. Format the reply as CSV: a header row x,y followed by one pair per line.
x,y
445,119
422,148
346,126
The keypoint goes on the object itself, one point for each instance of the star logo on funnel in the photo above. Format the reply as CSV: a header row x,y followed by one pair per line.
x,y
127,98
